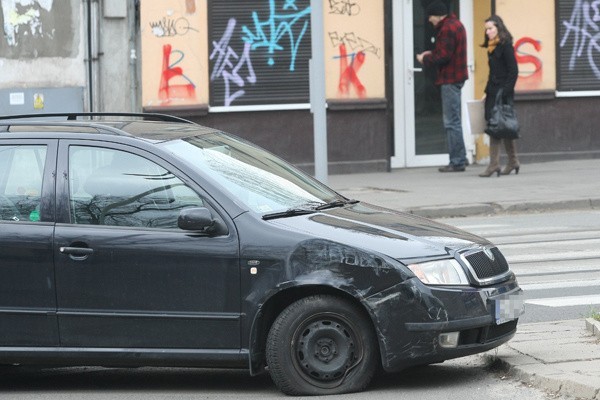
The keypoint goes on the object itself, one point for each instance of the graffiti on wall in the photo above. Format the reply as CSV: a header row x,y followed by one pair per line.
x,y
355,42
350,63
534,44
228,65
353,48
349,73
171,27
582,35
257,51
278,28
174,70
344,7
259,48
530,65
168,91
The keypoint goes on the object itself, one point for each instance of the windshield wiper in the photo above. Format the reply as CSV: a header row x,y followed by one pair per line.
x,y
335,203
292,212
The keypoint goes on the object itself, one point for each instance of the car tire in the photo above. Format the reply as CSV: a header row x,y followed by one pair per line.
x,y
322,345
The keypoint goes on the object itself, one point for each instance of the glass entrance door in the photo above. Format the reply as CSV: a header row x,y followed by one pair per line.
x,y
430,137
420,139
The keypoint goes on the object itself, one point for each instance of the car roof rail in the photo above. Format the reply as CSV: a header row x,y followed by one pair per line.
x,y
98,127
75,116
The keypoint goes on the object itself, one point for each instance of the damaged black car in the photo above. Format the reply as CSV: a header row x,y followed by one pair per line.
x,y
147,240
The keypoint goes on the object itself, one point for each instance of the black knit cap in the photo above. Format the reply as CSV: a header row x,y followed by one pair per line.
x,y
437,8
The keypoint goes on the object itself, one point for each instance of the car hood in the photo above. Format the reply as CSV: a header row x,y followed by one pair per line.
x,y
398,235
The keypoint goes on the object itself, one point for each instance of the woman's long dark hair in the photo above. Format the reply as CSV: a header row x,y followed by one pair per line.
x,y
503,33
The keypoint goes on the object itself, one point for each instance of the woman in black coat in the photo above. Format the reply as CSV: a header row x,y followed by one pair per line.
x,y
503,76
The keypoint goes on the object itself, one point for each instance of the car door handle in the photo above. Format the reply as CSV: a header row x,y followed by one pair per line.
x,y
76,251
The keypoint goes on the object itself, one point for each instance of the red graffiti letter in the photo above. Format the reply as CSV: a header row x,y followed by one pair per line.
x,y
349,73
168,92
530,80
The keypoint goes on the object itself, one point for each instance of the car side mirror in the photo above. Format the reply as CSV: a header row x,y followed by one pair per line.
x,y
199,219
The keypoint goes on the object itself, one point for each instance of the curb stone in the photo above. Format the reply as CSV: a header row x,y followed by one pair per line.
x,y
559,378
524,369
444,211
517,369
553,205
593,326
455,211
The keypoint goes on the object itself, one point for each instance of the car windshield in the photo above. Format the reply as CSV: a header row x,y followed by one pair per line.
x,y
255,177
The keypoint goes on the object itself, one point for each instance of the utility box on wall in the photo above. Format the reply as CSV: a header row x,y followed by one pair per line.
x,y
41,100
115,9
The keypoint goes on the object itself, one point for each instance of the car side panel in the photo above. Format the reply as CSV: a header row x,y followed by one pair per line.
x,y
142,287
27,291
27,288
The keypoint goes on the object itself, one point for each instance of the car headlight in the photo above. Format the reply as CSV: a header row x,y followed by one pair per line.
x,y
440,272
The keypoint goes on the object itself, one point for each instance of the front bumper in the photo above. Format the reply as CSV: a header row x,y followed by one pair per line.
x,y
409,318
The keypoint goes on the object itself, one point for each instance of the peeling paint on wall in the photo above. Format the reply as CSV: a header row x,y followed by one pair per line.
x,y
24,16
38,28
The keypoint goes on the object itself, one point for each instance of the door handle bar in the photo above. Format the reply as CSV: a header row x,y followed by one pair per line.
x,y
77,251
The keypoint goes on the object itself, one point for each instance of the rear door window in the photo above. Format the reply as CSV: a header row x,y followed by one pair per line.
x,y
21,176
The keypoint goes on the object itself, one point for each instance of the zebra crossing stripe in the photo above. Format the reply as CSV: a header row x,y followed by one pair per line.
x,y
566,301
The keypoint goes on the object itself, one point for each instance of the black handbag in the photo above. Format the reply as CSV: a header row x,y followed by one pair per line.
x,y
503,123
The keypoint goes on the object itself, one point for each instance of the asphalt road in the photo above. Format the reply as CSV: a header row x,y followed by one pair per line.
x,y
554,256
466,379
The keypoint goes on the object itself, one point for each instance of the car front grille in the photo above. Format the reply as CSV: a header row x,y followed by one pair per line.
x,y
485,267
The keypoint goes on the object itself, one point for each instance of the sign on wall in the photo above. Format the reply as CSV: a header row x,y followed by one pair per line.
x,y
534,43
174,53
354,49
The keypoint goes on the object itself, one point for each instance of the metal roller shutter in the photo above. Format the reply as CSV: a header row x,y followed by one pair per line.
x,y
259,51
578,46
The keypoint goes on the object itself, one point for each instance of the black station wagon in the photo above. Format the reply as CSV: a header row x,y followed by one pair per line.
x,y
148,240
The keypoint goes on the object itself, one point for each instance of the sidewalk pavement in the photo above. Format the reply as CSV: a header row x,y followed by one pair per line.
x,y
557,185
562,357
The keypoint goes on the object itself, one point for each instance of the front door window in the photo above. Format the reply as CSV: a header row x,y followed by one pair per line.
x,y
113,187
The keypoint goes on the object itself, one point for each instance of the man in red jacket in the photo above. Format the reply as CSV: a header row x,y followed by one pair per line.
x,y
449,57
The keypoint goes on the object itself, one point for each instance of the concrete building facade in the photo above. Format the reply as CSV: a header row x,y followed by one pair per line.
x,y
243,66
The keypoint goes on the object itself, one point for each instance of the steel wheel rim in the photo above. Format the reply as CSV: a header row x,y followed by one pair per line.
x,y
325,348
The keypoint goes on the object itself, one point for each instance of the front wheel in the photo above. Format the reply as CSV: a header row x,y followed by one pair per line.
x,y
321,345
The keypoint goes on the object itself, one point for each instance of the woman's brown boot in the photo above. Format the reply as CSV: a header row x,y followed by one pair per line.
x,y
513,161
494,167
